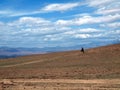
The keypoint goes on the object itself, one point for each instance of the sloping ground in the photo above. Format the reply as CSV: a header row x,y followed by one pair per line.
x,y
97,63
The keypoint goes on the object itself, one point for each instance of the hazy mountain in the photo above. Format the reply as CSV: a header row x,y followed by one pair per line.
x,y
6,52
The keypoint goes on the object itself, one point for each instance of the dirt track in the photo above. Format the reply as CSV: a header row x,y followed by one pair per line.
x,y
59,84
33,62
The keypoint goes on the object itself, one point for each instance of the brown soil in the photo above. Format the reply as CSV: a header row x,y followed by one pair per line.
x,y
59,84
98,65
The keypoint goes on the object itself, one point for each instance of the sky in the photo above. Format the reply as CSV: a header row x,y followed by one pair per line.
x,y
63,23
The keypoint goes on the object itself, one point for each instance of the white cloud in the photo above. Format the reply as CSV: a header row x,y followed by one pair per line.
x,y
34,26
29,22
111,25
114,25
59,7
64,22
100,19
99,3
15,13
11,13
105,7
84,30
108,11
55,37
32,20
71,29
69,32
89,30
2,12
84,33
43,33
48,8
88,20
1,23
81,35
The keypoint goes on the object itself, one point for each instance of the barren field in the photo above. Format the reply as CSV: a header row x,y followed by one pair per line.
x,y
96,69
59,84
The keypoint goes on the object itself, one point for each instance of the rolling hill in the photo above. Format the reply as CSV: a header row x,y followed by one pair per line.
x,y
11,52
96,63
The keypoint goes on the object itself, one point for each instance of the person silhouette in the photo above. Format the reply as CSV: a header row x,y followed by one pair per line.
x,y
82,50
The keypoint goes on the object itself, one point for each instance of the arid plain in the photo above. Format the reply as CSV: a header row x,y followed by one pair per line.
x,y
96,69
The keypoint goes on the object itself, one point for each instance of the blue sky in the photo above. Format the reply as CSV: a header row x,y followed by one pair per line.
x,y
51,23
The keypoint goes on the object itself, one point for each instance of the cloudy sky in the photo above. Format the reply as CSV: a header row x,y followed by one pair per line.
x,y
51,23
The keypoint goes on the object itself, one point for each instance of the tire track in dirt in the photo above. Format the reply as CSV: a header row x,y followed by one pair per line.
x,y
108,81
43,60
60,84
102,81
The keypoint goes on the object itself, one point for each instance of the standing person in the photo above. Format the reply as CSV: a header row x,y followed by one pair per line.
x,y
82,50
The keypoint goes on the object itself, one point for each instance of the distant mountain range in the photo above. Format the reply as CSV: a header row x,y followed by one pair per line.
x,y
8,52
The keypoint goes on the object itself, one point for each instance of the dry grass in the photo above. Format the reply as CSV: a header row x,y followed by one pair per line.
x,y
96,69
97,63
60,84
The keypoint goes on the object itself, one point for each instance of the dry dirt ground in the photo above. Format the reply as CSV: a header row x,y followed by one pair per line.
x,y
96,69
59,84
